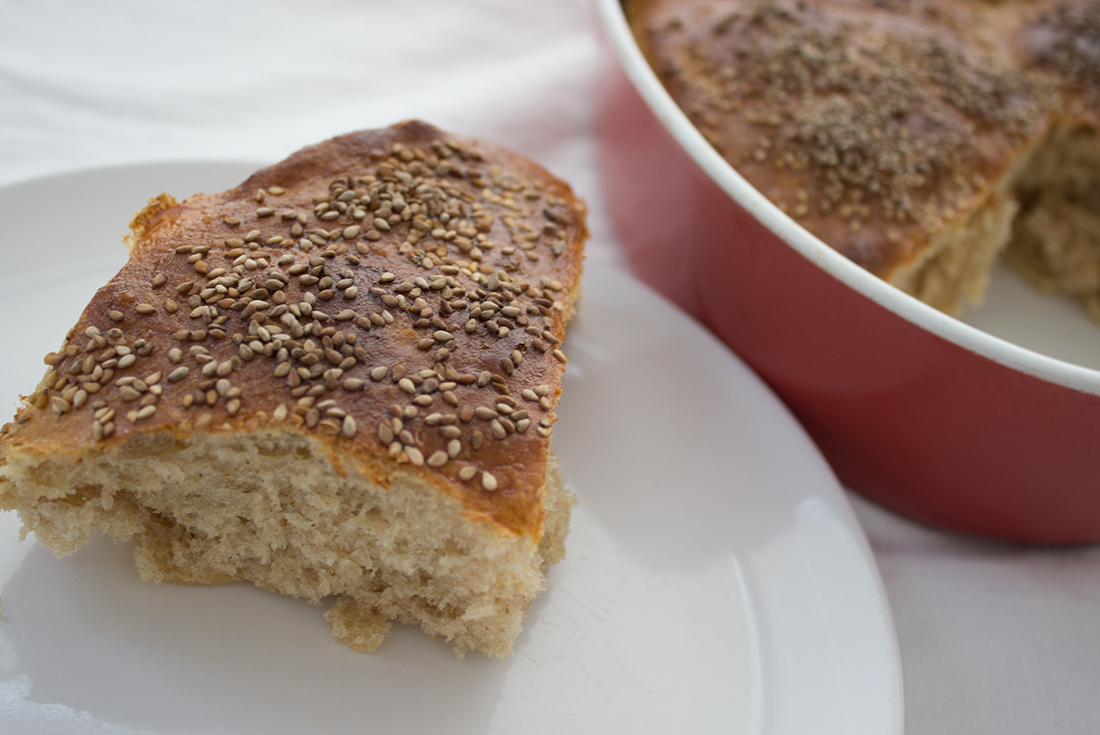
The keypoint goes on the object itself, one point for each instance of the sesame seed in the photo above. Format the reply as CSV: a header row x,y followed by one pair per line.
x,y
178,374
415,455
438,458
467,473
348,427
488,481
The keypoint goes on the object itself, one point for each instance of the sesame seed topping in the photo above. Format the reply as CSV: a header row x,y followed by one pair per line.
x,y
262,334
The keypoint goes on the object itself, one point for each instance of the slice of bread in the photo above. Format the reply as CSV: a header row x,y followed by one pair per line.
x,y
336,380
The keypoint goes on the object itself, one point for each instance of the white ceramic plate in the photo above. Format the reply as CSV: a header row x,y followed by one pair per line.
x,y
716,579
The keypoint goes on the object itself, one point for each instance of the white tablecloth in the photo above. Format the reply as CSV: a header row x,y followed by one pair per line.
x,y
995,638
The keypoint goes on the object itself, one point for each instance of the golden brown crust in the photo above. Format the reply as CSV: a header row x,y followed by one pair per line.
x,y
875,123
401,292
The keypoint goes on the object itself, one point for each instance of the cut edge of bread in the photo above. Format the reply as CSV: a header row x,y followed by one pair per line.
x,y
282,511
1042,219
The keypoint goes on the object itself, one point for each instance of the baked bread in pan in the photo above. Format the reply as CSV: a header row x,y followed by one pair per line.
x,y
336,380
919,138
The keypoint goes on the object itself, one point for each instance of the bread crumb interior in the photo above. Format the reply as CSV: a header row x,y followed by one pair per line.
x,y
272,509
1043,220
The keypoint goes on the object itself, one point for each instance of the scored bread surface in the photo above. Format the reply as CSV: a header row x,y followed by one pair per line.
x,y
919,138
338,379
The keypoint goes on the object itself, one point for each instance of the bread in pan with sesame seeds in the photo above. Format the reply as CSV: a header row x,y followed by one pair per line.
x,y
919,138
337,380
